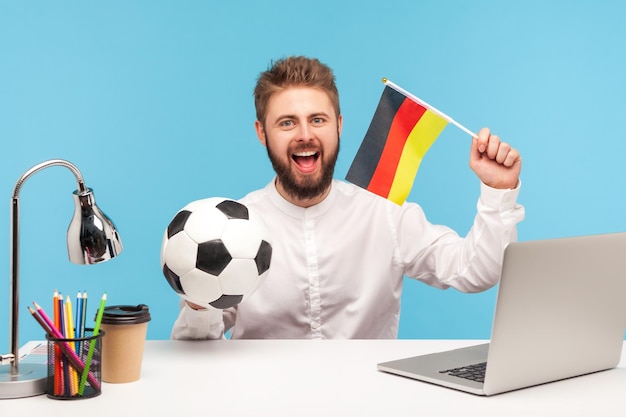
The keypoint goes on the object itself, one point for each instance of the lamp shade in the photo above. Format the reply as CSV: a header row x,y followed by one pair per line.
x,y
91,235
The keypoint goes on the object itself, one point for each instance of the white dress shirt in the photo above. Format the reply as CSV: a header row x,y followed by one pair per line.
x,y
337,267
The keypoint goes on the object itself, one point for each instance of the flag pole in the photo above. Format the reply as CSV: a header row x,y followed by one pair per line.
x,y
431,108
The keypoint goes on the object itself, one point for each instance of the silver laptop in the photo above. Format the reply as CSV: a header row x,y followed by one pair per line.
x,y
560,313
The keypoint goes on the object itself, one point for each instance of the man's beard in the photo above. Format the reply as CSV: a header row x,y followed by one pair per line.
x,y
308,187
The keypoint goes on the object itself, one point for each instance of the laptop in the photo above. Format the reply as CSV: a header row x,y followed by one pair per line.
x,y
560,313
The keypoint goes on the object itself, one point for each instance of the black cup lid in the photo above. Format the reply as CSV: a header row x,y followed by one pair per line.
x,y
126,314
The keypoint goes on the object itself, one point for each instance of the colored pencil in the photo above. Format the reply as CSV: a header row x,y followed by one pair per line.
x,y
96,331
42,323
58,368
83,315
77,321
69,326
65,347
63,329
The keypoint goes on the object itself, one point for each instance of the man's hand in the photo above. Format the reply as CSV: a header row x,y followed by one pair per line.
x,y
195,306
494,162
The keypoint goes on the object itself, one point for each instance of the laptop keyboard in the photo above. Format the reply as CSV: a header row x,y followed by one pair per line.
x,y
475,372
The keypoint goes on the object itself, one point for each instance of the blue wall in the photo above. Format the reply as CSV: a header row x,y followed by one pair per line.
x,y
152,101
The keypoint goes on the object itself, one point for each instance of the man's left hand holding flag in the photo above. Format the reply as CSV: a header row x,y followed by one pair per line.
x,y
496,163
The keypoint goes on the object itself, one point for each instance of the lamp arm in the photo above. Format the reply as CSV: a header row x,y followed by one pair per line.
x,y
15,210
52,162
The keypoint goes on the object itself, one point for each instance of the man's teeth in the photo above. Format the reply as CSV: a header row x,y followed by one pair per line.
x,y
307,153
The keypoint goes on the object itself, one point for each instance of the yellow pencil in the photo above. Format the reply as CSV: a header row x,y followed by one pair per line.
x,y
58,369
70,334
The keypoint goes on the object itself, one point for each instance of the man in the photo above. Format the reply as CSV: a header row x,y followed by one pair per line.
x,y
340,252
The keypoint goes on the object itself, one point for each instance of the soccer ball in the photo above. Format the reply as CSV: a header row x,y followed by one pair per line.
x,y
216,252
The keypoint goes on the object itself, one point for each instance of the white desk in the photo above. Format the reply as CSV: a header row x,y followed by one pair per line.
x,y
315,378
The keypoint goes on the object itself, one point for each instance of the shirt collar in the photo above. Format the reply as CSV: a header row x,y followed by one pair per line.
x,y
300,212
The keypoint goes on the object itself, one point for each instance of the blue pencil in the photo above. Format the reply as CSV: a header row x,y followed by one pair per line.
x,y
84,315
78,320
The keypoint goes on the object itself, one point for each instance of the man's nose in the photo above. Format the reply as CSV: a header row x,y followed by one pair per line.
x,y
305,133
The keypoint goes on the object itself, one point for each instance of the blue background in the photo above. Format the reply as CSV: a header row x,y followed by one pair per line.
x,y
152,101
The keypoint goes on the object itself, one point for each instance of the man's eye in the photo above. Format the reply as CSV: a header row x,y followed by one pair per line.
x,y
317,120
287,123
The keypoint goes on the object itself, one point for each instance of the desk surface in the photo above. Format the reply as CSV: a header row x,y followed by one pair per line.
x,y
315,378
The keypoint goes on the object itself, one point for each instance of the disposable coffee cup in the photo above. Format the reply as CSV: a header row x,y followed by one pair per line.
x,y
122,347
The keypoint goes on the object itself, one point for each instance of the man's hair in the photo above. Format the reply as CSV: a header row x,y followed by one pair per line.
x,y
294,71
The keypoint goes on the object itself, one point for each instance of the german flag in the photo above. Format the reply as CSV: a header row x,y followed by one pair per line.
x,y
401,132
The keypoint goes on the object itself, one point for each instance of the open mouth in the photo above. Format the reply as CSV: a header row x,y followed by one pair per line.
x,y
306,161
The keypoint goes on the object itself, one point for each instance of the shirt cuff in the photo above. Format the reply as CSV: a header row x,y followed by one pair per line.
x,y
501,199
205,315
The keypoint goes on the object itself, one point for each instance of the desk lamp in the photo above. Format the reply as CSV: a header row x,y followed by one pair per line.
x,y
91,238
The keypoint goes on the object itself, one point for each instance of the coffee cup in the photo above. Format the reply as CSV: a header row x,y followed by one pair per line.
x,y
125,328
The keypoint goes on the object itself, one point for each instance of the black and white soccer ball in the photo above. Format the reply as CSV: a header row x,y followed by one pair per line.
x,y
216,252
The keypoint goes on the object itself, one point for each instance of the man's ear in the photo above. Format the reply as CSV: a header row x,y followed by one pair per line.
x,y
339,124
260,132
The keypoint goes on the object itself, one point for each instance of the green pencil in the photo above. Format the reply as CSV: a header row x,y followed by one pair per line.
x,y
92,346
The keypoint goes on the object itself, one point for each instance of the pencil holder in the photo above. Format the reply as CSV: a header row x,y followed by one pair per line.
x,y
75,366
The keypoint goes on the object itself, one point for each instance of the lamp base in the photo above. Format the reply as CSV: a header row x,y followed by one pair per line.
x,y
30,380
